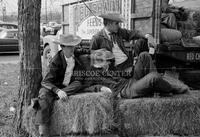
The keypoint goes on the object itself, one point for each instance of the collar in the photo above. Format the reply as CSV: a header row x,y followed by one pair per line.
x,y
69,59
103,34
107,32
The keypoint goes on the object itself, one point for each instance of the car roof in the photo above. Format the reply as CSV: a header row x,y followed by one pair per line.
x,y
8,23
10,30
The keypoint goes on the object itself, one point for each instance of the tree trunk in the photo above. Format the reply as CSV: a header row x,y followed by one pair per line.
x,y
30,56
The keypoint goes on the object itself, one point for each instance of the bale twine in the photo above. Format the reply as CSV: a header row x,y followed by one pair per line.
x,y
178,115
88,113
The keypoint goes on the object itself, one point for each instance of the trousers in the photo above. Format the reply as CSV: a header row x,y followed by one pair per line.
x,y
169,20
145,81
46,100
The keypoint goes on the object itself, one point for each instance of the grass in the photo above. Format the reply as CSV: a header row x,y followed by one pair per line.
x,y
8,95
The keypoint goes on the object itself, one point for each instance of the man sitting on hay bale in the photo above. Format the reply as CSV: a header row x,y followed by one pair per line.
x,y
145,81
59,81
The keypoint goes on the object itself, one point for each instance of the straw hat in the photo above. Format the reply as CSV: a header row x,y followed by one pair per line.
x,y
100,57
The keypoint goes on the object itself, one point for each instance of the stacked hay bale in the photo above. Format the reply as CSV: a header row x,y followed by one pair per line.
x,y
168,136
178,115
89,113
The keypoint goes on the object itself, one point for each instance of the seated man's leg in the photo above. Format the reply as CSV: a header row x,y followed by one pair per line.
x,y
46,99
143,66
146,86
169,20
140,46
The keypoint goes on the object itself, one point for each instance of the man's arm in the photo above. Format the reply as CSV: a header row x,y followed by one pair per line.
x,y
72,88
130,34
136,34
94,44
50,78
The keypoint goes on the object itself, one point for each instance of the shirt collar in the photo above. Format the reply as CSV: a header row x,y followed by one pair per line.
x,y
107,32
69,59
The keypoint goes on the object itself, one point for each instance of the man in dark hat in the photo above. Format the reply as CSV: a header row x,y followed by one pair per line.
x,y
59,82
111,37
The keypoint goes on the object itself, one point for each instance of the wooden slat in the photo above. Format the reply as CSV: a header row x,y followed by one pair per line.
x,y
141,15
157,17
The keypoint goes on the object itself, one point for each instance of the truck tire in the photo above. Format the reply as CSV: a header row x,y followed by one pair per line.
x,y
46,56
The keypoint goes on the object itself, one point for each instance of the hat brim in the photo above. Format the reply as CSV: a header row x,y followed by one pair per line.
x,y
69,44
112,18
109,55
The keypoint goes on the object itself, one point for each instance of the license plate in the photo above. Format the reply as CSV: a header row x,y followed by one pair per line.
x,y
193,56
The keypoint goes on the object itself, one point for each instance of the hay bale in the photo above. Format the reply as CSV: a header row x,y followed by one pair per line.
x,y
104,135
88,113
169,136
179,115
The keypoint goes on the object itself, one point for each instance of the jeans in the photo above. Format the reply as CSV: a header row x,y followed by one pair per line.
x,y
146,81
46,100
169,20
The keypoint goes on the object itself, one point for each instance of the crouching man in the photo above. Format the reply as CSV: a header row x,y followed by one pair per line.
x,y
59,82
145,81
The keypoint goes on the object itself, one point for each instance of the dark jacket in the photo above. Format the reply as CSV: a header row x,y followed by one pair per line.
x,y
56,72
101,40
99,78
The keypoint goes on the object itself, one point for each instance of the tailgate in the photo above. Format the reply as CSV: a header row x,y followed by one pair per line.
x,y
186,54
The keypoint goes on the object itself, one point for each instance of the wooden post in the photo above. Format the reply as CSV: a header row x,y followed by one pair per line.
x,y
157,17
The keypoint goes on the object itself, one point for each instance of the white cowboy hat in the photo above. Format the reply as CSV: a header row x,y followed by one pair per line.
x,y
113,17
68,40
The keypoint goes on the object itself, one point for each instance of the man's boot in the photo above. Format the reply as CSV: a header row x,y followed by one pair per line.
x,y
44,131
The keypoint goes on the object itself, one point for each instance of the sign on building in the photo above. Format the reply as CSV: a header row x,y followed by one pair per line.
x,y
83,17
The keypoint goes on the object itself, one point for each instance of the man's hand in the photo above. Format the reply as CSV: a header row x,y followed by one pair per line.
x,y
151,43
62,95
105,89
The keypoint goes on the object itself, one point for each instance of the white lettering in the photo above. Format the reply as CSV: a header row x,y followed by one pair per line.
x,y
197,56
190,56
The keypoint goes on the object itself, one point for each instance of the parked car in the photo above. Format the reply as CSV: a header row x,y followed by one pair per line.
x,y
4,25
50,28
8,25
9,41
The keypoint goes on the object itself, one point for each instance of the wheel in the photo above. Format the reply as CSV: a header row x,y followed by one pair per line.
x,y
46,56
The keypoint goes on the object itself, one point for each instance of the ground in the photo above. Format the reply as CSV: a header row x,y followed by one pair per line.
x,y
9,85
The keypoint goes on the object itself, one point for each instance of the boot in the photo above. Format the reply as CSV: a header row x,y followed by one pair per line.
x,y
44,130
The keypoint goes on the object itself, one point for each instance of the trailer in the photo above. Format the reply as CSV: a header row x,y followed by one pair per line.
x,y
80,17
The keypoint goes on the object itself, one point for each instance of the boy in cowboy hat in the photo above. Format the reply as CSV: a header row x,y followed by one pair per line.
x,y
59,82
111,38
142,85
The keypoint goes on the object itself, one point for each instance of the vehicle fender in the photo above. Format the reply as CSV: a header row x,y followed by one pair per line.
x,y
49,40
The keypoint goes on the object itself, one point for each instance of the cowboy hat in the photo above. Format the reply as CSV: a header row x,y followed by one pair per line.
x,y
113,17
68,40
100,57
